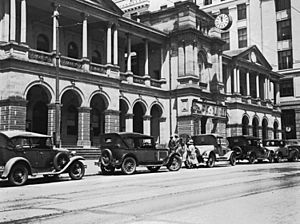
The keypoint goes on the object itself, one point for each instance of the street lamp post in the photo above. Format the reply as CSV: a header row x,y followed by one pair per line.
x,y
57,103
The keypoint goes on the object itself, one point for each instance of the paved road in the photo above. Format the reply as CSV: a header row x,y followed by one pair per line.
x,y
260,193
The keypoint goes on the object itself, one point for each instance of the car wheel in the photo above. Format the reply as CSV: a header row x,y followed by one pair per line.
x,y
237,151
106,157
211,161
279,158
76,170
153,168
232,159
175,163
18,175
251,158
107,169
60,161
128,165
294,157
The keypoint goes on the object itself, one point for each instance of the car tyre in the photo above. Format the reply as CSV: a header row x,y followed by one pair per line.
x,y
18,175
106,157
175,163
76,170
129,165
107,170
211,161
153,168
251,158
232,160
271,158
60,160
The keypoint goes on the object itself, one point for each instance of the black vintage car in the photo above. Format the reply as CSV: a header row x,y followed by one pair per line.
x,y
126,151
250,148
27,153
282,149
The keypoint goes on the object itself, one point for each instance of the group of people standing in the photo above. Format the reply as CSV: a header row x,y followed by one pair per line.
x,y
185,147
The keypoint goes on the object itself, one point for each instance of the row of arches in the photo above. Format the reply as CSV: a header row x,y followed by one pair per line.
x,y
254,127
38,120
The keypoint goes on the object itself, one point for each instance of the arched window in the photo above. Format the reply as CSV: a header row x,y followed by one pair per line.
x,y
245,124
72,50
96,57
42,43
255,127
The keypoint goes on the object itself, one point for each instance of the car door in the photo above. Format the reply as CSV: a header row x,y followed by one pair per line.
x,y
23,149
146,153
44,151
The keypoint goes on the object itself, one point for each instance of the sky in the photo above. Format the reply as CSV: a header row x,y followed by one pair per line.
x,y
155,4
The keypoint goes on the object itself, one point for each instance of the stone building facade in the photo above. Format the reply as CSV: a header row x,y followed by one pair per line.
x,y
79,73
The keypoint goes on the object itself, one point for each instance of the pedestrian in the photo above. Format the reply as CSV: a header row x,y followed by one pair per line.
x,y
191,157
171,144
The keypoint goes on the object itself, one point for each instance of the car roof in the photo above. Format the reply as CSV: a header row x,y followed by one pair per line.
x,y
18,133
213,135
244,137
128,134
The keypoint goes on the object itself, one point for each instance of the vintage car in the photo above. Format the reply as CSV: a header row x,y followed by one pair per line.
x,y
282,149
211,148
250,148
27,153
126,151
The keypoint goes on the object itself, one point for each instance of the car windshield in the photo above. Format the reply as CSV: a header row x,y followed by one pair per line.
x,y
41,143
274,143
223,142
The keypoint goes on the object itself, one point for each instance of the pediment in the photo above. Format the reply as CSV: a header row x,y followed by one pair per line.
x,y
253,55
108,5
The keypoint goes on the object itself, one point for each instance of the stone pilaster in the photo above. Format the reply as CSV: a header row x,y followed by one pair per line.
x,y
129,122
147,124
84,114
112,121
185,125
13,114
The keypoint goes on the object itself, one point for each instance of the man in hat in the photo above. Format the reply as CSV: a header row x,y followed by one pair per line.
x,y
191,160
171,144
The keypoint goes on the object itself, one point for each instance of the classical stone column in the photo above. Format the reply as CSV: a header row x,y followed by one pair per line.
x,y
147,124
189,59
54,25
5,21
181,59
146,58
220,59
257,85
108,44
238,82
23,21
112,118
228,82
235,78
195,63
128,52
248,83
84,36
84,114
13,18
161,62
277,93
129,122
116,47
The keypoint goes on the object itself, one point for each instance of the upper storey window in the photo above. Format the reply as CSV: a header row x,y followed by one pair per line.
x,y
282,5
284,31
242,37
241,11
207,2
72,50
42,43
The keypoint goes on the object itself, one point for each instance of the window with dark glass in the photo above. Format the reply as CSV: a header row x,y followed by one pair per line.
x,y
224,11
284,30
226,38
241,11
286,87
282,5
96,57
207,2
72,50
42,43
242,37
285,59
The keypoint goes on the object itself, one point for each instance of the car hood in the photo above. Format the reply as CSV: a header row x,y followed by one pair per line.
x,y
61,150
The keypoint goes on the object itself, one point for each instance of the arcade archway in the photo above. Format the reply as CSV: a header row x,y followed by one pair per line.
x,y
245,125
255,127
138,117
264,129
156,113
38,98
123,107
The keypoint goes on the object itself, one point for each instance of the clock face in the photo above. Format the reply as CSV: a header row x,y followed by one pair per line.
x,y
223,21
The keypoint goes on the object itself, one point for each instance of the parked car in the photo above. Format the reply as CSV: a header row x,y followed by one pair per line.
x,y
282,149
294,143
211,148
126,151
250,148
27,153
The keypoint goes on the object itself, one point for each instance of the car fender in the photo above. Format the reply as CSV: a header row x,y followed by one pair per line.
x,y
205,150
12,162
127,155
171,155
228,155
72,159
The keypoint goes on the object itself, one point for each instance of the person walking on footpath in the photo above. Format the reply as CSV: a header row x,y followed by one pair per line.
x,y
172,144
